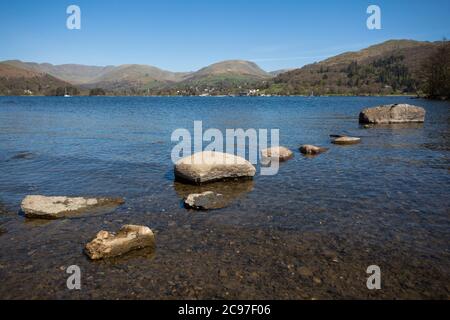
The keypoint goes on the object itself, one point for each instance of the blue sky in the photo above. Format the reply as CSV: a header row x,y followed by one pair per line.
x,y
184,35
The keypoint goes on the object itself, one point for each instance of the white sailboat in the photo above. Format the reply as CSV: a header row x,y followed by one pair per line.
x,y
66,95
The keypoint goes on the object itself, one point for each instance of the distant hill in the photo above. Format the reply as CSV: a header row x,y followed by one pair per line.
x,y
392,67
387,68
231,68
18,81
143,79
135,77
224,77
277,72
73,73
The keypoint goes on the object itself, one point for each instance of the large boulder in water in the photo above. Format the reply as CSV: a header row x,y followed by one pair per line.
x,y
130,237
212,166
394,113
42,207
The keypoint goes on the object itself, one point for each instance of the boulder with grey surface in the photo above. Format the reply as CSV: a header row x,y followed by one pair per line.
x,y
129,238
210,166
391,114
42,207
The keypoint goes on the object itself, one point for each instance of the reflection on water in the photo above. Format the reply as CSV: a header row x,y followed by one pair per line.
x,y
141,256
384,201
392,126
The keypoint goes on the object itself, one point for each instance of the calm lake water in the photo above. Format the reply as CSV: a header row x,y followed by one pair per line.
x,y
310,231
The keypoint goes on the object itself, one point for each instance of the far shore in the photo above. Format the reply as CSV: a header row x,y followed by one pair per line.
x,y
234,96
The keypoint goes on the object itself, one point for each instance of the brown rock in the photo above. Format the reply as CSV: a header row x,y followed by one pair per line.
x,y
130,237
312,150
280,153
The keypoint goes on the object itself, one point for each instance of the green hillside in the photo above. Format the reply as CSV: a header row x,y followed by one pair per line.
x,y
393,67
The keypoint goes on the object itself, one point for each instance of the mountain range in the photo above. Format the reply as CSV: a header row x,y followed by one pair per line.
x,y
390,67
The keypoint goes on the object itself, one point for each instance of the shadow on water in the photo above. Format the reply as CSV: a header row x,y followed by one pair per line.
x,y
23,155
393,126
9,102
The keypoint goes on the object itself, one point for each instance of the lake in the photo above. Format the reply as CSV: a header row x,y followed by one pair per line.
x,y
308,232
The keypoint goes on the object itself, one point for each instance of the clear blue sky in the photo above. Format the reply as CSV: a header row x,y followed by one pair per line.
x,y
184,35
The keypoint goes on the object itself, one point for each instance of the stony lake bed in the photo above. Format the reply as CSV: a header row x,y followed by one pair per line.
x,y
309,232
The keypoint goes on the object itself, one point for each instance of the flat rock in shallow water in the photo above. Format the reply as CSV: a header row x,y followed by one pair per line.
x,y
129,237
343,140
312,150
205,201
43,207
282,153
212,166
393,113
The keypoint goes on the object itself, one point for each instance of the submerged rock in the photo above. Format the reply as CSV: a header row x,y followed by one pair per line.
x,y
282,153
393,113
212,166
129,237
230,191
344,140
42,207
312,150
207,200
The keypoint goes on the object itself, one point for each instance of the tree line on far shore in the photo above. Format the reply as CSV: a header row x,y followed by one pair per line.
x,y
436,73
